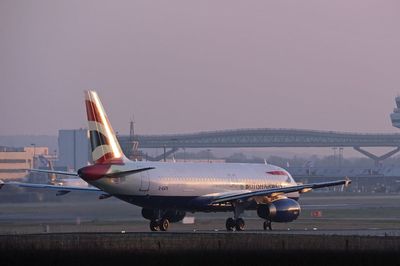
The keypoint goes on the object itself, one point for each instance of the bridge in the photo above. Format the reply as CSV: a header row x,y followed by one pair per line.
x,y
266,137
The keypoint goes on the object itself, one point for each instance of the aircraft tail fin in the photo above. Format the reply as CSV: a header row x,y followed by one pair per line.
x,y
104,143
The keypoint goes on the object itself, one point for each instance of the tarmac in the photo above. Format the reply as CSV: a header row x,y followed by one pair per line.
x,y
78,229
322,214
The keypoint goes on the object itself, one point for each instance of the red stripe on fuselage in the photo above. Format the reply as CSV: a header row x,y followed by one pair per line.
x,y
97,171
109,158
92,112
93,172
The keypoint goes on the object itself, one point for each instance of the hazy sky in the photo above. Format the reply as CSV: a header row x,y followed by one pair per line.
x,y
184,66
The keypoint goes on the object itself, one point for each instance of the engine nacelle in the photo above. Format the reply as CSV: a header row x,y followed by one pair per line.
x,y
173,216
283,210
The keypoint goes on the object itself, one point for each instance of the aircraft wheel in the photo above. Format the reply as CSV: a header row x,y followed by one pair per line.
x,y
267,225
230,224
239,224
164,224
154,226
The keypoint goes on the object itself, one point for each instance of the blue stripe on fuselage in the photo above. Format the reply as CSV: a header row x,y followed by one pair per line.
x,y
186,203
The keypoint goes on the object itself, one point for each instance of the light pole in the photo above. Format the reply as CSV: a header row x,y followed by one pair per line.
x,y
34,155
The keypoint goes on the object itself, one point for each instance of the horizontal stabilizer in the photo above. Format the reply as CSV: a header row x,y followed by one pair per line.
x,y
52,172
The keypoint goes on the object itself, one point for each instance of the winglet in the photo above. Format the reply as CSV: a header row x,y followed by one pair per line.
x,y
347,182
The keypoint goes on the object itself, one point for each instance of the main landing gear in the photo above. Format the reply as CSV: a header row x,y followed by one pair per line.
x,y
159,225
237,224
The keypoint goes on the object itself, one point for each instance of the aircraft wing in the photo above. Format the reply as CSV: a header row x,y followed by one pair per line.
x,y
61,190
276,191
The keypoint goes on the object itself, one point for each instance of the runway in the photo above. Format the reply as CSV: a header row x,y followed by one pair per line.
x,y
340,214
383,227
78,229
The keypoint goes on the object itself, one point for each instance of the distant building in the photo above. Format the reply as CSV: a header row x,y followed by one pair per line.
x,y
395,116
73,148
13,161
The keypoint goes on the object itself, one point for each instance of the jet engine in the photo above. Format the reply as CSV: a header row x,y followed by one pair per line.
x,y
173,216
282,210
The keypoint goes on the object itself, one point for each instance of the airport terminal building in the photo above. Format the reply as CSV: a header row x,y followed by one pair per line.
x,y
73,148
13,161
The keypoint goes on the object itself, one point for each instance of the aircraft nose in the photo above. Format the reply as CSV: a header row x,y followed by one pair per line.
x,y
93,172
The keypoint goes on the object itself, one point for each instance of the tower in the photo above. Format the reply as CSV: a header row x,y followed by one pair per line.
x,y
395,116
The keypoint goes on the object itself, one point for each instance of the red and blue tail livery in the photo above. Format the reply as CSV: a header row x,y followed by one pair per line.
x,y
105,146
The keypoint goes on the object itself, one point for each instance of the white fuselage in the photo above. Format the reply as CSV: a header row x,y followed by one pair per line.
x,y
189,180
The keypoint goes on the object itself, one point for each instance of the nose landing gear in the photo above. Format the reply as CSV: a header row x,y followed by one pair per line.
x,y
267,225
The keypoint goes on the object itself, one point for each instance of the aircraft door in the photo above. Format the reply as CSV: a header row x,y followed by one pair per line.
x,y
145,181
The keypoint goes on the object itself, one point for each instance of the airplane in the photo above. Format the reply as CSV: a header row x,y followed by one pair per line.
x,y
167,191
54,179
